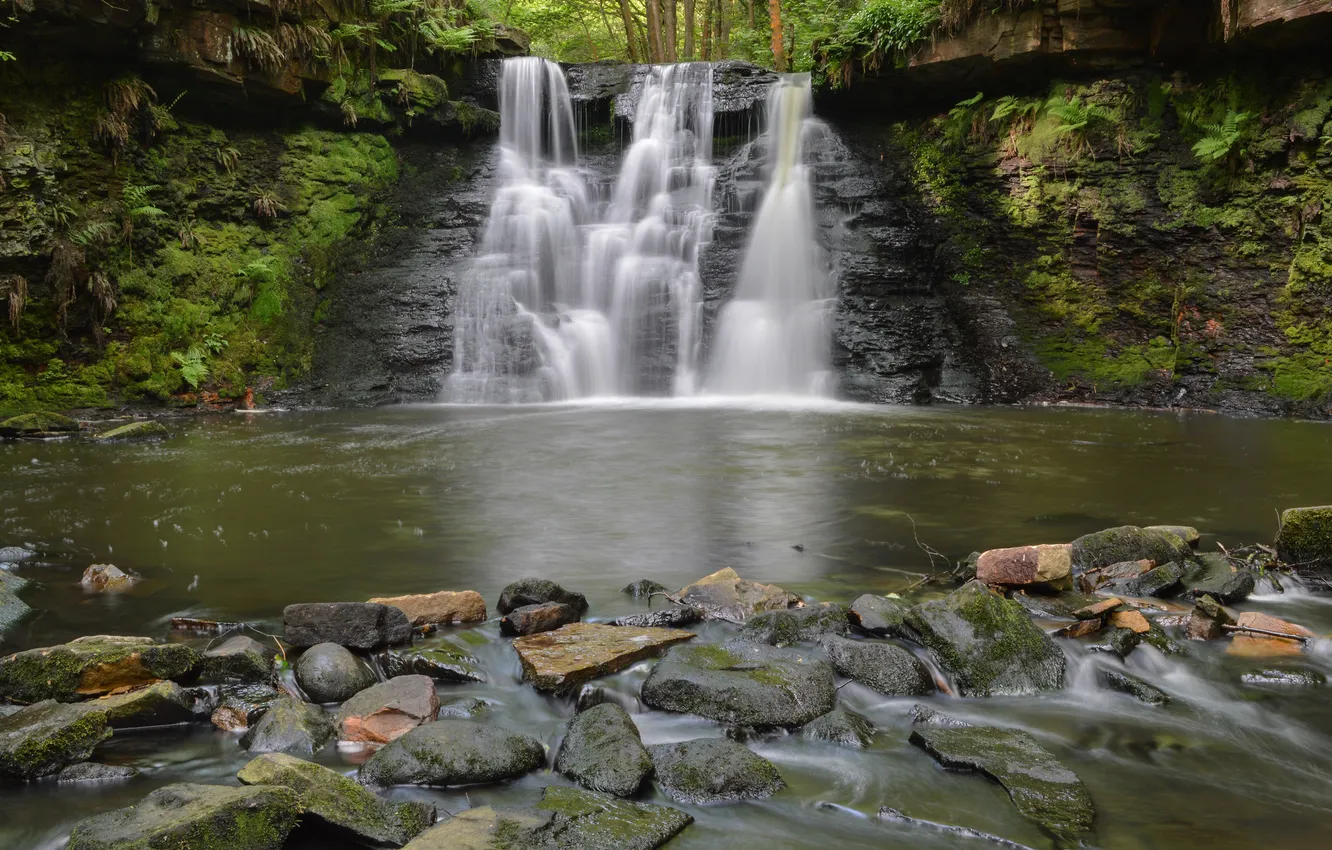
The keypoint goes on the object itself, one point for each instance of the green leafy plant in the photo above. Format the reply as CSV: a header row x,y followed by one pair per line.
x,y
193,369
1222,140
138,207
229,158
259,49
266,204
1075,118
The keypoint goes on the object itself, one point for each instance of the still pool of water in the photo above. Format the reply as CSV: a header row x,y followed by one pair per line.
x,y
240,515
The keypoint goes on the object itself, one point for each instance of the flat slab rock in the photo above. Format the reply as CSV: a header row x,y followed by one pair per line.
x,y
1042,788
44,738
441,660
90,666
725,596
564,819
441,608
560,660
198,817
453,752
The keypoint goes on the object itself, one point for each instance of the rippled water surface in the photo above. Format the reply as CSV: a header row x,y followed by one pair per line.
x,y
240,515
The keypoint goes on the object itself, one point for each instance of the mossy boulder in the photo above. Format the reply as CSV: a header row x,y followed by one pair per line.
x,y
194,817
713,770
44,738
1187,533
602,751
794,625
289,726
90,666
1212,574
645,588
159,704
1305,541
1158,581
38,425
330,673
453,752
880,616
1127,543
238,659
339,806
443,661
884,667
1042,788
987,643
840,726
134,432
742,684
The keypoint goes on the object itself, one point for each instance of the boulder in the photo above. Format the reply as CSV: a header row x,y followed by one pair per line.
x,y
987,643
561,660
533,619
1127,543
603,751
725,596
884,667
666,618
794,625
1305,541
238,659
1159,581
329,673
1267,641
453,752
386,711
464,707
1042,789
359,625
89,666
1187,533
133,432
39,424
742,684
158,704
645,589
1116,680
713,770
442,661
240,706
12,609
1206,620
1212,574
538,591
89,771
1026,565
840,726
102,577
43,739
442,608
341,808
881,616
194,817
289,726
1094,579
564,819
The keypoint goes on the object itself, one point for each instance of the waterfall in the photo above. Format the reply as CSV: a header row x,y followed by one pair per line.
x,y
575,295
774,336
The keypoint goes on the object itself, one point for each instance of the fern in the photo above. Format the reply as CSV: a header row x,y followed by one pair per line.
x,y
963,108
137,203
259,48
1220,140
1075,118
193,369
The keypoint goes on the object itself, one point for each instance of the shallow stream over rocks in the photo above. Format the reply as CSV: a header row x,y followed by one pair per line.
x,y
235,517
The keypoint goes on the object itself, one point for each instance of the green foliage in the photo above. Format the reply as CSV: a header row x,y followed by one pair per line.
x,y
193,369
1222,139
1074,120
881,31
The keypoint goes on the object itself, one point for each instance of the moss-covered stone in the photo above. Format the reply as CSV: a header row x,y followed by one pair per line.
x,y
884,667
134,432
1305,540
1117,680
603,751
194,817
713,770
340,806
159,704
453,752
840,726
238,659
329,673
881,616
987,643
44,738
1127,543
90,666
795,625
289,726
37,424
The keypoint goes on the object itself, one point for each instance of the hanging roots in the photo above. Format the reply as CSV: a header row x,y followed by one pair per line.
x,y
266,204
67,270
99,285
259,49
15,286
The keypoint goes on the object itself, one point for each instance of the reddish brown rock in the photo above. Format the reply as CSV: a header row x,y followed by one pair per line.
x,y
384,712
1021,565
1258,644
101,577
533,619
560,660
1131,620
1081,628
442,608
725,596
1206,620
1098,610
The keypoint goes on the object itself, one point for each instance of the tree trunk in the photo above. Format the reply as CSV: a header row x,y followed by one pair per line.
x,y
689,29
655,52
707,30
628,15
723,29
751,14
671,27
775,21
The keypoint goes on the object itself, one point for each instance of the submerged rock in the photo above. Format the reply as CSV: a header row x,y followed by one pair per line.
x,y
1116,680
880,616
840,726
195,817
538,591
561,660
1025,565
463,707
602,750
238,659
93,665
791,626
742,684
987,643
666,618
713,770
102,577
340,806
15,554
90,771
725,596
533,619
1305,540
1042,789
388,710
1285,677
1127,543
441,608
443,661
134,432
359,625
158,704
452,752
1187,533
329,673
240,706
12,609
43,739
645,589
884,667
289,726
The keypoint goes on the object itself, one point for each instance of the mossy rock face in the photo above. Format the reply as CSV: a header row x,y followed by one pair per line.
x,y
987,644
794,625
44,738
878,615
602,751
1159,581
1042,788
713,770
742,684
884,667
194,817
1305,541
159,704
134,432
37,424
289,726
1127,543
841,726
1212,575
1187,533
453,752
238,659
90,666
340,806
